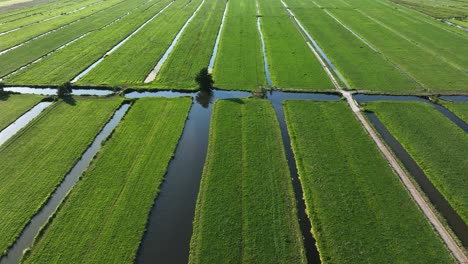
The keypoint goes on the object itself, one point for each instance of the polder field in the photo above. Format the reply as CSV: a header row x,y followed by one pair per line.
x,y
233,131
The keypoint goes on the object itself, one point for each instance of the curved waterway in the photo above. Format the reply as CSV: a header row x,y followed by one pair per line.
x,y
22,121
26,238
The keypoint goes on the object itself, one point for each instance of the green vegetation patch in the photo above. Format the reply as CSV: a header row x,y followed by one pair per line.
x,y
34,162
458,108
246,212
133,61
239,62
438,146
104,217
13,106
291,62
360,211
193,51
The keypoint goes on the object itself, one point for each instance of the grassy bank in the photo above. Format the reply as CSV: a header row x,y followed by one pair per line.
x,y
37,160
104,216
246,211
360,211
13,106
438,146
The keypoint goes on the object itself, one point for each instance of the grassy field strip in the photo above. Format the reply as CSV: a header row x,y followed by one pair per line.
x,y
432,72
45,16
121,43
437,9
19,36
444,161
291,63
17,25
373,49
251,179
103,218
193,50
353,198
46,150
152,75
346,51
38,48
447,47
134,60
13,105
460,109
38,10
76,58
239,62
262,41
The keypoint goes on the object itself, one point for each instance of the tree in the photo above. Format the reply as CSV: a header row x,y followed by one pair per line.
x,y
64,90
204,79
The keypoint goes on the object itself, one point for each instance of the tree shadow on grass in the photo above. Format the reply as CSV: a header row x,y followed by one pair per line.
x,y
4,96
69,100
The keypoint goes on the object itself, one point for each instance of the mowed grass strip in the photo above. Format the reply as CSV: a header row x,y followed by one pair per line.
x,y
21,35
104,217
291,62
360,211
239,62
458,108
193,51
346,51
433,70
37,160
13,106
36,10
438,146
133,61
246,211
65,64
61,7
35,49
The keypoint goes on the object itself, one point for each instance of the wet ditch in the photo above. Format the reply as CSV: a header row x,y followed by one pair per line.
x,y
218,37
28,234
22,121
455,222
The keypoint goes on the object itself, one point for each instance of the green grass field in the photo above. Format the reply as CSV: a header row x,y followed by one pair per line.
x,y
291,62
437,8
346,51
13,106
246,212
438,146
33,50
104,216
41,156
65,64
460,109
424,58
360,211
193,51
239,63
133,61
32,31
